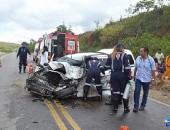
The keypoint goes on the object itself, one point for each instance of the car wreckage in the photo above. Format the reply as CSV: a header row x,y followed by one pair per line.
x,y
65,77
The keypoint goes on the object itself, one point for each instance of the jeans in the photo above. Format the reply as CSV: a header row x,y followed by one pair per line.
x,y
145,86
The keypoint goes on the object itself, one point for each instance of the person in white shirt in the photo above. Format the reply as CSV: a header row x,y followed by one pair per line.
x,y
144,74
44,56
159,55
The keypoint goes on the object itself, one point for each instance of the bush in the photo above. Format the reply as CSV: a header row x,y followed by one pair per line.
x,y
167,88
31,47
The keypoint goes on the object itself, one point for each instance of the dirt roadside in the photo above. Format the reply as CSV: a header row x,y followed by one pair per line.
x,y
159,93
2,54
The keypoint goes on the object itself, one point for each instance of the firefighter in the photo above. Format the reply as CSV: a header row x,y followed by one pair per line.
x,y
22,53
120,72
94,68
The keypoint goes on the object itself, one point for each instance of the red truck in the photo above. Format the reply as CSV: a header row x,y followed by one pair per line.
x,y
59,44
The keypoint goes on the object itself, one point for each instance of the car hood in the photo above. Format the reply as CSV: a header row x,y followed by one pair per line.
x,y
72,72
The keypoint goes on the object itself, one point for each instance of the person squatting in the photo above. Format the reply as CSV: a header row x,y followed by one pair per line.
x,y
94,68
120,75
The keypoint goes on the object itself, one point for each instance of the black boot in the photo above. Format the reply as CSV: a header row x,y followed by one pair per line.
x,y
120,99
24,69
115,105
126,105
85,96
85,91
99,90
20,69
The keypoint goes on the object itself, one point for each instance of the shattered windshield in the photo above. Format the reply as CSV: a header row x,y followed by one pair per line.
x,y
70,61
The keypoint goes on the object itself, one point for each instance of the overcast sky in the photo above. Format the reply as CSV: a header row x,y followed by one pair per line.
x,y
21,20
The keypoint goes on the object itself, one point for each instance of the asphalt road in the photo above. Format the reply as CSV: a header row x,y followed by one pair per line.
x,y
19,110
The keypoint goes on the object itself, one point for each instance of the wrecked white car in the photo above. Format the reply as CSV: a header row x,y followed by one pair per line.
x,y
65,77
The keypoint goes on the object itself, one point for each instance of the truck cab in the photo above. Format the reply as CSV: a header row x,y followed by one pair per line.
x,y
60,44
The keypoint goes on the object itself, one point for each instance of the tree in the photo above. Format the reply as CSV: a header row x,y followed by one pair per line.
x,y
129,10
62,28
139,7
111,20
97,24
70,29
144,5
160,3
32,41
149,4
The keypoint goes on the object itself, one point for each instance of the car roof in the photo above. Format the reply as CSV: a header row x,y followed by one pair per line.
x,y
110,50
98,54
80,56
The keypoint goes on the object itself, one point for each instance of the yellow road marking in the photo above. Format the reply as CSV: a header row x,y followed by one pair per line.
x,y
56,116
67,116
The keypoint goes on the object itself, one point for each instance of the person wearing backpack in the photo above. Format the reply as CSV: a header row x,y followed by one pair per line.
x,y
144,73
22,54
120,72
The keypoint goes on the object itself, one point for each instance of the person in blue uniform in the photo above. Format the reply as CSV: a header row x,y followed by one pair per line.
x,y
22,54
120,73
93,66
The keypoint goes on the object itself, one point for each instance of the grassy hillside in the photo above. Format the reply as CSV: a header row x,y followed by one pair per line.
x,y
151,29
8,47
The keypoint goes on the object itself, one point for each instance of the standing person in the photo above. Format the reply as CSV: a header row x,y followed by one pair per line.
x,y
156,72
161,70
93,66
22,53
156,66
144,73
159,55
167,73
44,56
120,69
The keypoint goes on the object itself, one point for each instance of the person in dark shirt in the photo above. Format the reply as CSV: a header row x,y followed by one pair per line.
x,y
119,64
93,66
22,54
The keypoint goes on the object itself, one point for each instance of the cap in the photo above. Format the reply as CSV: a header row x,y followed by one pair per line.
x,y
23,43
120,45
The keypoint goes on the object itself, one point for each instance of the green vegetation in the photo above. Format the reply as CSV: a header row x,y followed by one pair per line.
x,y
31,47
8,47
167,88
151,29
